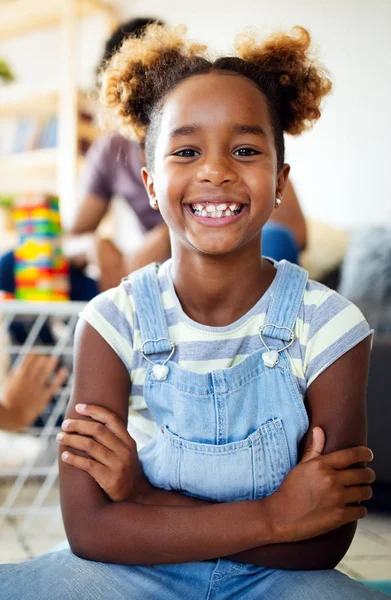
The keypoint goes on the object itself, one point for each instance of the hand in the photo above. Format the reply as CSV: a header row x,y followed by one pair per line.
x,y
112,458
110,262
322,492
30,387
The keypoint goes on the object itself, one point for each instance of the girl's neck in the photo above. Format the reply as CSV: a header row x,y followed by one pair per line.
x,y
218,290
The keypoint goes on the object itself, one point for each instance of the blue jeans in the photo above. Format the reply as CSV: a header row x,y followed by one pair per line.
x,y
63,576
279,243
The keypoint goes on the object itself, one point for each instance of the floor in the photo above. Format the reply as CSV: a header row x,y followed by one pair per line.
x,y
369,556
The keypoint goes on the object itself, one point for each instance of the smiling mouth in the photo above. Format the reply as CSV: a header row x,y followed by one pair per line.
x,y
215,210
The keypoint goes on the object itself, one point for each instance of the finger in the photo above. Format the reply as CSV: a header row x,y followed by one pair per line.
x,y
342,459
95,430
47,369
112,422
97,471
59,379
88,445
358,493
29,360
354,513
361,476
36,366
316,446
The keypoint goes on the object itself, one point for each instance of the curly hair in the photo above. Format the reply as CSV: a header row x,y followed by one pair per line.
x,y
137,79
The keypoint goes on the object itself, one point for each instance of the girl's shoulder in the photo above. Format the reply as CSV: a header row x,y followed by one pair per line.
x,y
111,314
328,326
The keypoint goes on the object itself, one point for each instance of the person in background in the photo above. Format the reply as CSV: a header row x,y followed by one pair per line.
x,y
113,168
28,390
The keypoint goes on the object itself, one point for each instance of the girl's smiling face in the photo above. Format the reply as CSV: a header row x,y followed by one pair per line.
x,y
215,155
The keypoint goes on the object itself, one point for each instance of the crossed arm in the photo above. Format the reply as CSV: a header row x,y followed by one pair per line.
x,y
171,527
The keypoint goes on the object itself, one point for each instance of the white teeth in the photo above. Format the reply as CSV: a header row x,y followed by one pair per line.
x,y
215,211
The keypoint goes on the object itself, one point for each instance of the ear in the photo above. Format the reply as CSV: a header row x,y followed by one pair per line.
x,y
149,186
282,179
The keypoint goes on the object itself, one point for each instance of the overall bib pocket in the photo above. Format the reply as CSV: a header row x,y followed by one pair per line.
x,y
243,470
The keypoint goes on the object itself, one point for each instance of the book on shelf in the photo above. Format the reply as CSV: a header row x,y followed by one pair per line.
x,y
34,133
38,132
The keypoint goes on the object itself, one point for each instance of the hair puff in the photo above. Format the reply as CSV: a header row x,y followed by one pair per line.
x,y
299,82
127,79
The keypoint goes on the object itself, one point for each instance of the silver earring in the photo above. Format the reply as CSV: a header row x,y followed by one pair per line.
x,y
278,202
153,202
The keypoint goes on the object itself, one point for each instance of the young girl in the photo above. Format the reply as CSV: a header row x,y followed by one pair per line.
x,y
249,377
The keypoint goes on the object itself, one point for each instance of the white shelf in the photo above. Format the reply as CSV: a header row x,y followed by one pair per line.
x,y
51,170
21,16
44,159
16,99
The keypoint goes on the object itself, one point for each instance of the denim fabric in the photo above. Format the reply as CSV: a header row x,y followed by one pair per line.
x,y
63,576
225,435
245,421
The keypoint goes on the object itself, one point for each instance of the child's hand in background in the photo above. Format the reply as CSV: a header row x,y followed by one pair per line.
x,y
112,458
30,387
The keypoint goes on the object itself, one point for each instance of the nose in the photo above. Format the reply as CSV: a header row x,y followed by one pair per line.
x,y
216,170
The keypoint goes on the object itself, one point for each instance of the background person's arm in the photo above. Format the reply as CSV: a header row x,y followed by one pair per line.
x,y
289,213
89,214
113,265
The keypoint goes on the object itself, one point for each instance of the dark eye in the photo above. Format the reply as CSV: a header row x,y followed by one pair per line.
x,y
187,153
246,152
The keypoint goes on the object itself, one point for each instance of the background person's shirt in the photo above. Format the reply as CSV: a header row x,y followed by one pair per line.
x,y
113,168
327,327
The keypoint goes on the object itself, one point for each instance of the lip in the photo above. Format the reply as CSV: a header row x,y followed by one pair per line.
x,y
216,221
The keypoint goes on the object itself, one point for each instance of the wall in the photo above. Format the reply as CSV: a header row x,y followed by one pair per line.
x,y
339,168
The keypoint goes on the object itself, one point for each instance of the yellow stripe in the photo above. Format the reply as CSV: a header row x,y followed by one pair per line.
x,y
333,330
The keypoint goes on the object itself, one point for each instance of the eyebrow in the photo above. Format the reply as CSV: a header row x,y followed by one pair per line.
x,y
194,128
252,129
184,130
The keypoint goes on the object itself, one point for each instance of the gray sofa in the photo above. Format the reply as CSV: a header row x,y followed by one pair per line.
x,y
379,413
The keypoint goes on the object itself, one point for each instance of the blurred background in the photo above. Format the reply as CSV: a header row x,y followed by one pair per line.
x,y
49,138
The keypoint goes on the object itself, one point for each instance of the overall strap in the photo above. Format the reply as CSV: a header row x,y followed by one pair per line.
x,y
149,309
284,305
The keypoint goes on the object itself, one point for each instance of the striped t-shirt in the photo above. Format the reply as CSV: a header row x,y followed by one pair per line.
x,y
327,326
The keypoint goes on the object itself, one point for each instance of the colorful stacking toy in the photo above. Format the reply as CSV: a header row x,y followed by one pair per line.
x,y
41,270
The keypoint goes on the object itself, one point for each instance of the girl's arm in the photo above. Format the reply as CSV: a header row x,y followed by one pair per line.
x,y
131,533
336,401
124,532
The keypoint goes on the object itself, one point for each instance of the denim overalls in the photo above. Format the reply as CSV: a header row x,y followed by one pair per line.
x,y
227,435
231,434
